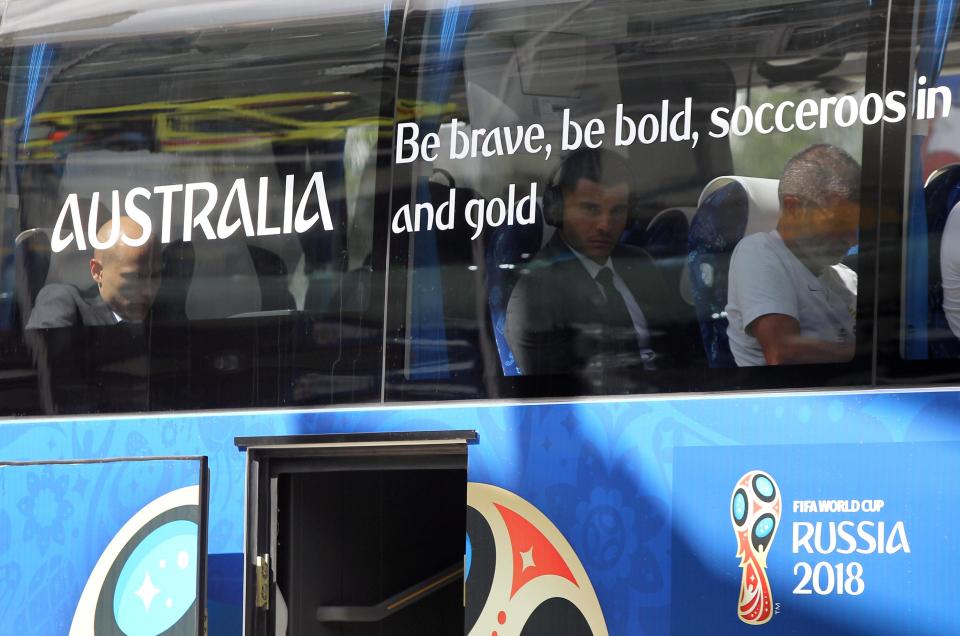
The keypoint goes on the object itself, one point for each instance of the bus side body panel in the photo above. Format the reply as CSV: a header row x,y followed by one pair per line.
x,y
617,517
103,545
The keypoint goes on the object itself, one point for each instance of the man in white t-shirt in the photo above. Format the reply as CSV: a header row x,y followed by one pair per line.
x,y
950,269
790,300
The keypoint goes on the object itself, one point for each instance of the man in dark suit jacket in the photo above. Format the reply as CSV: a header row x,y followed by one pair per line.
x,y
61,305
101,369
587,305
125,282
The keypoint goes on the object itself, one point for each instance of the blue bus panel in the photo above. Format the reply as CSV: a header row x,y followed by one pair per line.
x,y
803,512
102,546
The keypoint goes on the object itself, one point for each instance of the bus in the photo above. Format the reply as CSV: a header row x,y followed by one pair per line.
x,y
492,317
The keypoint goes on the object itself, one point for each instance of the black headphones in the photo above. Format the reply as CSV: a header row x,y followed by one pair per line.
x,y
553,197
553,192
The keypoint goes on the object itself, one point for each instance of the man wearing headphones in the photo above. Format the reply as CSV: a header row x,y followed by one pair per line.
x,y
587,304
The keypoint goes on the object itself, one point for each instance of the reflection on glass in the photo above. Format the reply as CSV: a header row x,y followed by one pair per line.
x,y
243,142
701,107
791,300
927,298
124,275
586,304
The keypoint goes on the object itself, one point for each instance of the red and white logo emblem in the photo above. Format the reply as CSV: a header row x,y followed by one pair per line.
x,y
755,513
522,575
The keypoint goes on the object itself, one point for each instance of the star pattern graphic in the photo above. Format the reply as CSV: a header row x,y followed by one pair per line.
x,y
147,592
527,559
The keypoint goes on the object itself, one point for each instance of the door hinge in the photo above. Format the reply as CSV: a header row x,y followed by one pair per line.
x,y
263,582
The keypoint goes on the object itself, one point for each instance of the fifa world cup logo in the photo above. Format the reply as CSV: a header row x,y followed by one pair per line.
x,y
755,513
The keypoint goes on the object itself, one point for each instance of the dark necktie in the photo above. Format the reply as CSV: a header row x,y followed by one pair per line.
x,y
619,333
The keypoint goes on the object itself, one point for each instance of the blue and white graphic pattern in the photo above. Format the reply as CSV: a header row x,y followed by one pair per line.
x,y
601,471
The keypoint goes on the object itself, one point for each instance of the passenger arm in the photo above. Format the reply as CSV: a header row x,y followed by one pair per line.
x,y
779,336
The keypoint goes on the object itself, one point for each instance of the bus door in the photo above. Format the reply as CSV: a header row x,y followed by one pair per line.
x,y
105,546
359,534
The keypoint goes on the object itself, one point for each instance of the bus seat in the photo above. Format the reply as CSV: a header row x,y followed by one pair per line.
x,y
666,234
272,276
508,250
729,209
665,239
32,262
461,306
672,175
320,278
177,261
351,294
445,316
942,194
466,172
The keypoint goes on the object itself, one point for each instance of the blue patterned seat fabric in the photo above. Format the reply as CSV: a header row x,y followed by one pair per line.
x,y
716,229
665,239
509,248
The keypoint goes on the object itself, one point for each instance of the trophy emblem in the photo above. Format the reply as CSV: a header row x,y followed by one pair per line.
x,y
755,514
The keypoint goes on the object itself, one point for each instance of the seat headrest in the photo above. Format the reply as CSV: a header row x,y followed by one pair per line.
x,y
763,203
941,193
461,173
950,171
32,263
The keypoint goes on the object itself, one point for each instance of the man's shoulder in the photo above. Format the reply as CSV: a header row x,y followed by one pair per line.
x,y
759,241
63,305
541,274
552,277
759,247
552,258
53,291
56,305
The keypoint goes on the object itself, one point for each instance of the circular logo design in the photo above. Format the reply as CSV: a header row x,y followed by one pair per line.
x,y
522,577
145,582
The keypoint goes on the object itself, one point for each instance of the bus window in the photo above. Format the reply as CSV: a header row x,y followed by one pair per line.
x,y
191,196
600,209
919,318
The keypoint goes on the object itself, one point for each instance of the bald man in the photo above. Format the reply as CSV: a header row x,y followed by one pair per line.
x,y
126,281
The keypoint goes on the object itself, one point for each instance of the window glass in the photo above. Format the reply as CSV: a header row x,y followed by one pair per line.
x,y
625,159
920,317
190,194
765,155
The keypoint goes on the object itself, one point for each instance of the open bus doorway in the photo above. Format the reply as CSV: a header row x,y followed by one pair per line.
x,y
359,535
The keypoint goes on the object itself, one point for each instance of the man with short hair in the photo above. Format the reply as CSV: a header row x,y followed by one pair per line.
x,y
126,281
586,303
790,300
